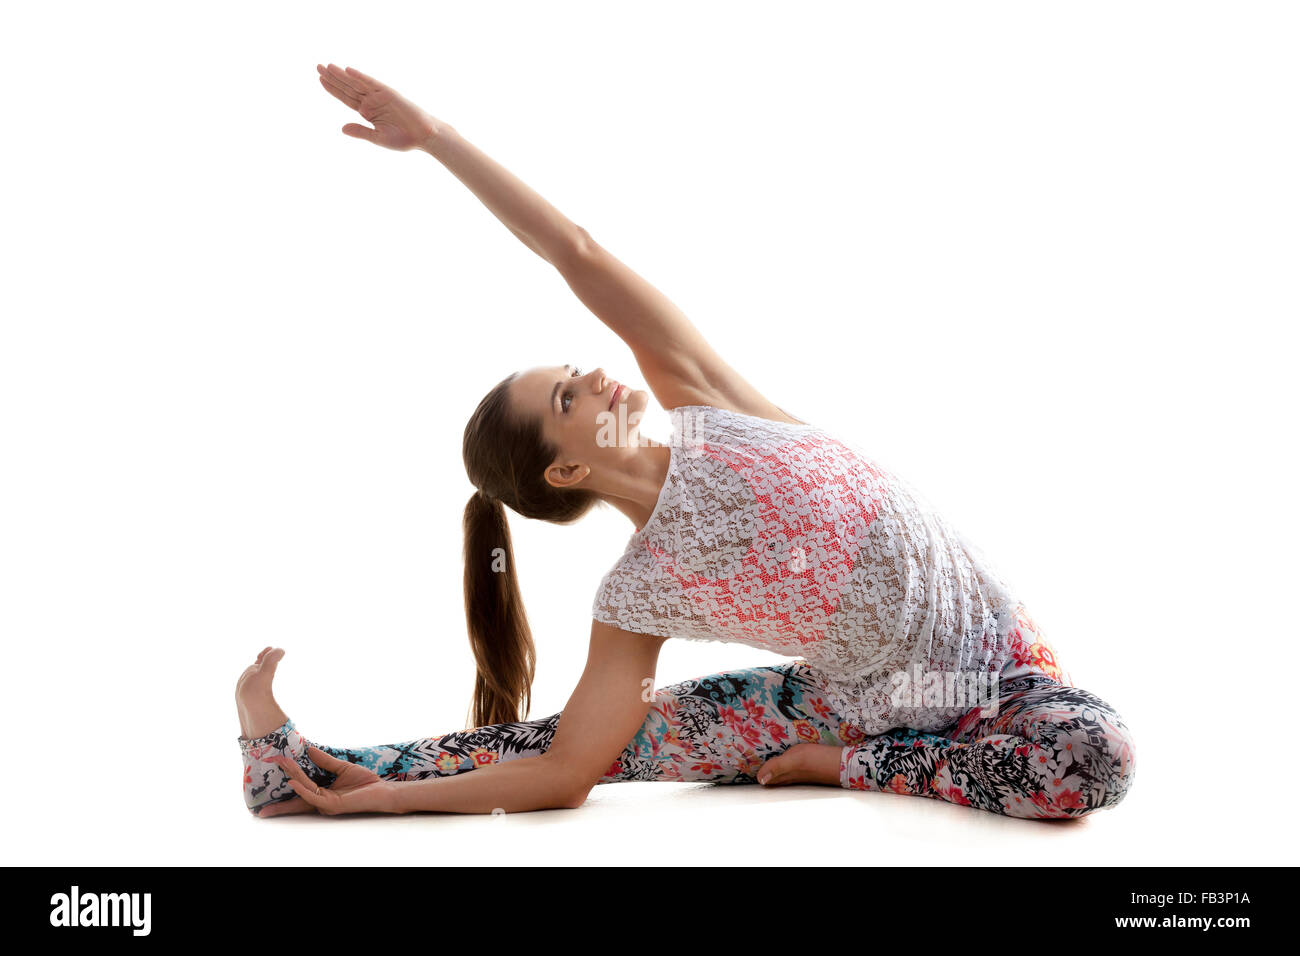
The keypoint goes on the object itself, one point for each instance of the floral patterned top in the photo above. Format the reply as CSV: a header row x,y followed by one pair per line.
x,y
785,538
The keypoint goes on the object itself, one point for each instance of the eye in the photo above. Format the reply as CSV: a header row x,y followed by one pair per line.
x,y
567,396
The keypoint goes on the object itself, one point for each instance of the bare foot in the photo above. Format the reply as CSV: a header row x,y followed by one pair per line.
x,y
259,714
803,763
239,706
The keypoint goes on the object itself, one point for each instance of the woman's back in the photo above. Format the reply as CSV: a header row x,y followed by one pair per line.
x,y
783,537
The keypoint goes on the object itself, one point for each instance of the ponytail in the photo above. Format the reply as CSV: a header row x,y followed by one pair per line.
x,y
498,626
506,454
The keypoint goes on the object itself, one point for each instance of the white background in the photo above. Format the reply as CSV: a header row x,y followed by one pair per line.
x,y
1040,259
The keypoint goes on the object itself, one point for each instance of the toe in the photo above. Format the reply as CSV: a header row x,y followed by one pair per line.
x,y
772,770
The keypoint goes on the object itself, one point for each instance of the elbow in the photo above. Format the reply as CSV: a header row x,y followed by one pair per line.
x,y
576,788
576,798
570,785
583,244
578,249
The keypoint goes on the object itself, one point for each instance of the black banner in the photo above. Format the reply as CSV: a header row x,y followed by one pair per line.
x,y
373,903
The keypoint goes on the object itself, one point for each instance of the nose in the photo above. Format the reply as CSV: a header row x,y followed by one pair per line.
x,y
598,376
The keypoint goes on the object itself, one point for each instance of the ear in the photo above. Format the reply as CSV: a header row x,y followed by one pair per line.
x,y
566,475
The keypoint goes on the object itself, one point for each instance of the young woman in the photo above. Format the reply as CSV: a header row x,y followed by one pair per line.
x,y
917,669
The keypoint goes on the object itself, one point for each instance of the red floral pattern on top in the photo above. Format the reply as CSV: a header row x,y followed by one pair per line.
x,y
793,598
785,538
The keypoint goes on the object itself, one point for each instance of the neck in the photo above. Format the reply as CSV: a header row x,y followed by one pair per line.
x,y
635,490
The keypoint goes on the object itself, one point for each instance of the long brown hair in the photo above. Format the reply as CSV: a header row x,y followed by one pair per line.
x,y
505,458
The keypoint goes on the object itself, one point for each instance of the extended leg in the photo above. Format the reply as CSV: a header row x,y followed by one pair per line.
x,y
265,783
721,727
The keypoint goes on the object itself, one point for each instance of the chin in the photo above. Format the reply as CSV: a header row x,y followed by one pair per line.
x,y
630,411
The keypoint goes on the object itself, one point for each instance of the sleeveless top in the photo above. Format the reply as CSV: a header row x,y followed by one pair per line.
x,y
785,538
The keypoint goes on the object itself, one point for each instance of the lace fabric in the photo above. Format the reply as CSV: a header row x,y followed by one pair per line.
x,y
783,537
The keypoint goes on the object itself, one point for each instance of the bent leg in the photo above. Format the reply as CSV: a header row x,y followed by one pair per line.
x,y
723,727
1049,751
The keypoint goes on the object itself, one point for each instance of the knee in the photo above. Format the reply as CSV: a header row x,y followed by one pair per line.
x,y
1123,755
1110,761
1084,749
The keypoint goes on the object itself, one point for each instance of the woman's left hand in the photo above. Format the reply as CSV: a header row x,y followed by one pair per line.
x,y
357,790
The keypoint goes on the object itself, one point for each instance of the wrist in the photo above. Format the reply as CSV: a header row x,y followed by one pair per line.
x,y
439,135
392,798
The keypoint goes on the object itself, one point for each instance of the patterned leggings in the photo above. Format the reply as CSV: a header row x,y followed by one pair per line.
x,y
1048,751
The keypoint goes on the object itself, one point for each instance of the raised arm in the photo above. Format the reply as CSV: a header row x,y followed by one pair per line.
x,y
679,365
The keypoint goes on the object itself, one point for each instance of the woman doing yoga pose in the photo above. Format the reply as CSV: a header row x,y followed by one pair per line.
x,y
916,668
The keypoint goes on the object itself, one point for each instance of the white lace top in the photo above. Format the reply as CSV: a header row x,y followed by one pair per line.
x,y
785,538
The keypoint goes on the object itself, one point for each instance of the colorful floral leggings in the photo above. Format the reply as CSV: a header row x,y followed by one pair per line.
x,y
1048,750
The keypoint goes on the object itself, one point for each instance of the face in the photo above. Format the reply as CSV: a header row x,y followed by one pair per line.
x,y
590,417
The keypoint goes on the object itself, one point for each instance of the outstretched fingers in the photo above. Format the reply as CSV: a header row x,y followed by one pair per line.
x,y
303,786
369,81
327,761
283,808
354,85
337,90
298,781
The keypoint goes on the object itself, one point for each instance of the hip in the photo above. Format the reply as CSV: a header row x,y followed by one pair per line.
x,y
1027,649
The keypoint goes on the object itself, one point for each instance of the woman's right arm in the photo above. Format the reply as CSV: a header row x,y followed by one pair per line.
x,y
605,711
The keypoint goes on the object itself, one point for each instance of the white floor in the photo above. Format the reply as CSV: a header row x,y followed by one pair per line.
x,y
649,823
126,755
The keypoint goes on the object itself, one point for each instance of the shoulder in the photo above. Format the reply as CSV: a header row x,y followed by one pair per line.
x,y
753,409
679,378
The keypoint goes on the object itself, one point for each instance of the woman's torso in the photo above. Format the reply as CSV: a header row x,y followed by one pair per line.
x,y
783,537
